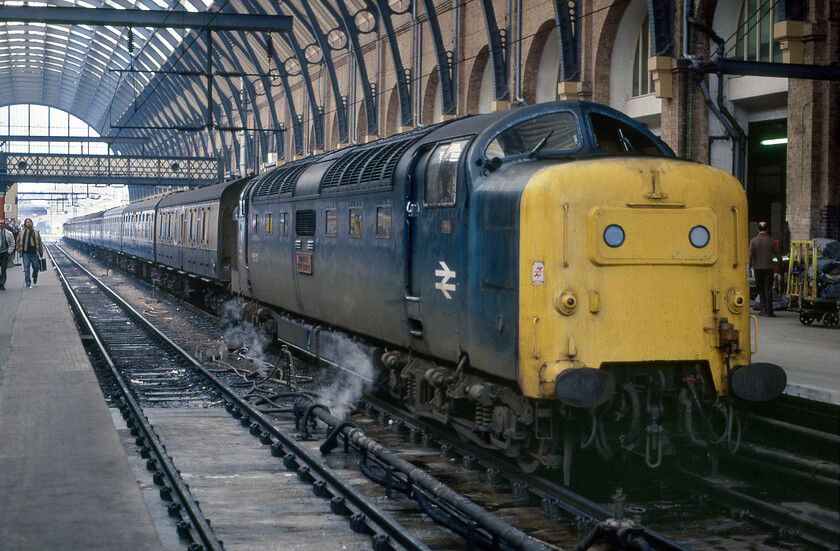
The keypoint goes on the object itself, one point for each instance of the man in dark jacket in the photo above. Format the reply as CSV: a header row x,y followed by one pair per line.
x,y
31,249
763,250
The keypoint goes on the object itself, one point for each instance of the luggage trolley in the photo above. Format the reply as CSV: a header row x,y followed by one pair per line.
x,y
803,288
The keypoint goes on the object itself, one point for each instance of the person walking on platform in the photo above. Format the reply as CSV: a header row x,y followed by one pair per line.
x,y
31,249
763,250
7,247
15,229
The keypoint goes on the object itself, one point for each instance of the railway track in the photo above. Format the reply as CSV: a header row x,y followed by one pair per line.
x,y
785,475
345,500
555,514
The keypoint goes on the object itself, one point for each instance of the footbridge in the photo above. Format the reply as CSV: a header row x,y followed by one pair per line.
x,y
108,169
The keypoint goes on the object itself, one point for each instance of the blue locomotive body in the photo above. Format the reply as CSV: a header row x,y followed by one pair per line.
x,y
488,261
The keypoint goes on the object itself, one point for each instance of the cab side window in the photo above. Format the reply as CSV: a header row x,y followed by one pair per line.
x,y
442,174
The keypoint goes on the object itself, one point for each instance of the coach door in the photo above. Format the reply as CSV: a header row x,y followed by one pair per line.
x,y
436,257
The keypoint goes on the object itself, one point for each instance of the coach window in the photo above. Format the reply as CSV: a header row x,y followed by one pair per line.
x,y
442,174
256,225
355,221
284,223
331,228
383,222
268,222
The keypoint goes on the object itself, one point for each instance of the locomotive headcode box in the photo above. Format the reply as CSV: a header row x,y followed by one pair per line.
x,y
304,263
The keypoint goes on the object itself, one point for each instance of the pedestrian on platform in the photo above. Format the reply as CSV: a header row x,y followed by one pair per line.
x,y
7,247
31,249
763,250
15,229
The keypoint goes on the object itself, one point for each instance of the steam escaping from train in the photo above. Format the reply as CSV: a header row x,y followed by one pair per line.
x,y
355,376
241,335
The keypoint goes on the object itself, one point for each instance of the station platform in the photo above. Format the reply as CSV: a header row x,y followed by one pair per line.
x,y
65,480
809,354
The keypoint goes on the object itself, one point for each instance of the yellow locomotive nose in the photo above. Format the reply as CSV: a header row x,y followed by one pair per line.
x,y
654,249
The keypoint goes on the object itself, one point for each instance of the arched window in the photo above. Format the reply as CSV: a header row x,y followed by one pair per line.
x,y
642,78
755,32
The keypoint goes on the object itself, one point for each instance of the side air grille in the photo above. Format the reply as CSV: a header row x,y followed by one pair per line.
x,y
305,222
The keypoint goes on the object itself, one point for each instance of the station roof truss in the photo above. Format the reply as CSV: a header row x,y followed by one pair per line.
x,y
192,77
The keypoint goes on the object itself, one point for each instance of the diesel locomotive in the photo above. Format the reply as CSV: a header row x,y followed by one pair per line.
x,y
541,279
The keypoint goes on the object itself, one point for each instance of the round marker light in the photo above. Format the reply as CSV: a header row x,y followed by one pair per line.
x,y
699,236
614,235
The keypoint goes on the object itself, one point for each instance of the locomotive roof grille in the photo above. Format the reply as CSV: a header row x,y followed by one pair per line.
x,y
370,167
280,181
333,175
292,178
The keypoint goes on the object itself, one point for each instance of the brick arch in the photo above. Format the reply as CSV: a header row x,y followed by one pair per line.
x,y
392,115
603,53
704,12
361,124
429,98
333,141
532,62
476,77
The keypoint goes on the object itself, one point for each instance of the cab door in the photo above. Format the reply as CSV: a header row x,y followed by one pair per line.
x,y
240,271
435,290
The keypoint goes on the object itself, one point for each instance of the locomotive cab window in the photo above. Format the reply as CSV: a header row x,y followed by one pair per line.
x,y
442,174
256,225
614,136
553,132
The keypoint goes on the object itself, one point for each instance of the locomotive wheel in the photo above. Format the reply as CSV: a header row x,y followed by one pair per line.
x,y
528,462
831,319
805,319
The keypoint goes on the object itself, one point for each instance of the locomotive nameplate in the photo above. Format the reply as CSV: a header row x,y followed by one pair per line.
x,y
303,261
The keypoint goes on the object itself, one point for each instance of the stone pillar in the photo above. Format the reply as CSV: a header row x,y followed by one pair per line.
x,y
813,149
568,90
789,35
663,82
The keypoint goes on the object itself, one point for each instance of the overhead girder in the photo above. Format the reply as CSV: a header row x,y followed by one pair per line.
x,y
661,17
326,56
242,109
215,21
317,118
315,109
276,127
498,53
266,83
402,75
369,92
444,61
566,15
